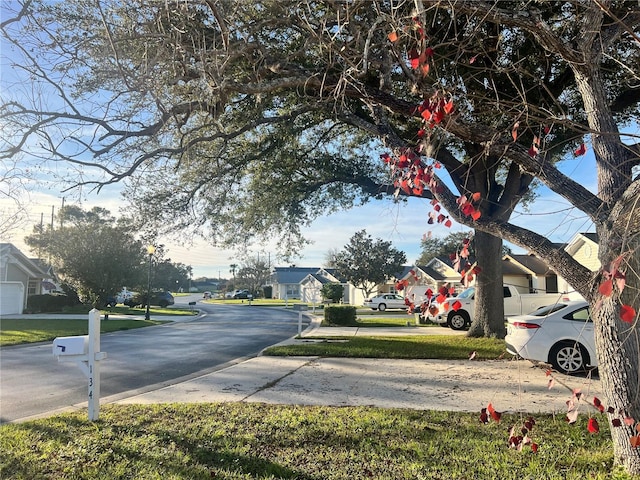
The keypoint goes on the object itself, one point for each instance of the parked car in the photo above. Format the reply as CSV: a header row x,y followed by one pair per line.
x,y
162,299
515,303
111,301
386,301
125,295
206,295
241,294
560,334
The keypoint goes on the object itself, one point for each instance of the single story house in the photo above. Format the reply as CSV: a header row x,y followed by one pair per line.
x,y
305,283
20,277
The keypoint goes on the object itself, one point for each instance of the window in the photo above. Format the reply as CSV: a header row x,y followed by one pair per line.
x,y
581,315
32,289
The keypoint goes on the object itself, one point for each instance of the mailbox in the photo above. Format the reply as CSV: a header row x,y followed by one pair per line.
x,y
301,307
63,346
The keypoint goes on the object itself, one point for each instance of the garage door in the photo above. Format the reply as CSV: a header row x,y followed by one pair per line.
x,y
11,298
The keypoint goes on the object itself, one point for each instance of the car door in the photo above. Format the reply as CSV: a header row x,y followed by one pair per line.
x,y
396,301
581,325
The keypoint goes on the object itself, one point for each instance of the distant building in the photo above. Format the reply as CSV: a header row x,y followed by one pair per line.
x,y
20,277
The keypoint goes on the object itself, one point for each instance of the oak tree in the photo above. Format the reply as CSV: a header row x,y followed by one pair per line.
x,y
259,115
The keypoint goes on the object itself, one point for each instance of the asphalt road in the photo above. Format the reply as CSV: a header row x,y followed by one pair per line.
x,y
33,383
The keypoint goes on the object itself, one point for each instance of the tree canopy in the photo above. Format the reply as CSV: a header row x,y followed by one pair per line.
x,y
91,252
368,263
263,114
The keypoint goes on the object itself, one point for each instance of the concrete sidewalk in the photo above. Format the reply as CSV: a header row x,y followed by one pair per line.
x,y
464,385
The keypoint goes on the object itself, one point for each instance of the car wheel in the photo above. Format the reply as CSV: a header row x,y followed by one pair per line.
x,y
458,320
382,307
568,357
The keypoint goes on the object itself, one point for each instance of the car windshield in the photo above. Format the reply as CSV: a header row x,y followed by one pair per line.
x,y
468,293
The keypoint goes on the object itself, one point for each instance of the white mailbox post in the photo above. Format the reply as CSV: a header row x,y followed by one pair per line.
x,y
300,307
85,351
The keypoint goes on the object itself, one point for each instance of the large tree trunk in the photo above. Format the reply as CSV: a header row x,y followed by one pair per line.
x,y
618,349
488,319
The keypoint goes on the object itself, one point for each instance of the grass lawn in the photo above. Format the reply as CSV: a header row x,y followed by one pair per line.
x,y
448,347
31,330
241,441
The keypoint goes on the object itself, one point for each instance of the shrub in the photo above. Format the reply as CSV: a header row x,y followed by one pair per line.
x,y
267,291
332,291
342,315
48,303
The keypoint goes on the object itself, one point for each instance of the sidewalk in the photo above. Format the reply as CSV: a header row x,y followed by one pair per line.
x,y
463,385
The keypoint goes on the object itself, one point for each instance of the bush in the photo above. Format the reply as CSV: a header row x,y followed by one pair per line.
x,y
332,291
267,291
49,303
342,315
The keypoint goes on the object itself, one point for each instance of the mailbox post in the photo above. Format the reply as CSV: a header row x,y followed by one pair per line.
x,y
300,307
85,350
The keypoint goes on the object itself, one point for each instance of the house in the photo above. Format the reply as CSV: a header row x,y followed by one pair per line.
x,y
438,272
528,274
584,248
20,277
305,283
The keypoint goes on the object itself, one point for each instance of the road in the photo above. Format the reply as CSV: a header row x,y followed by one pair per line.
x,y
33,383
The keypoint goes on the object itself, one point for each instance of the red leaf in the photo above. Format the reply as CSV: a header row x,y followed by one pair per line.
x,y
598,404
428,52
627,314
476,214
593,426
514,131
533,151
534,447
635,441
628,421
581,150
447,223
421,132
426,114
473,59
606,288
494,414
456,305
393,37
428,293
448,107
476,196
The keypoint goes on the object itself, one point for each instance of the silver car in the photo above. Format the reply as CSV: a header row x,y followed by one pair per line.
x,y
386,301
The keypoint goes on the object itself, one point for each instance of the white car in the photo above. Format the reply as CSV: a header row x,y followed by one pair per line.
x,y
560,334
386,301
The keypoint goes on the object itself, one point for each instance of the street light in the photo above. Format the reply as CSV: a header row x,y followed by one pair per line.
x,y
150,250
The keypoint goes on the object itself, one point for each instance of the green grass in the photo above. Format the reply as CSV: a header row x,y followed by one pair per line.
x,y
30,330
448,347
242,441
